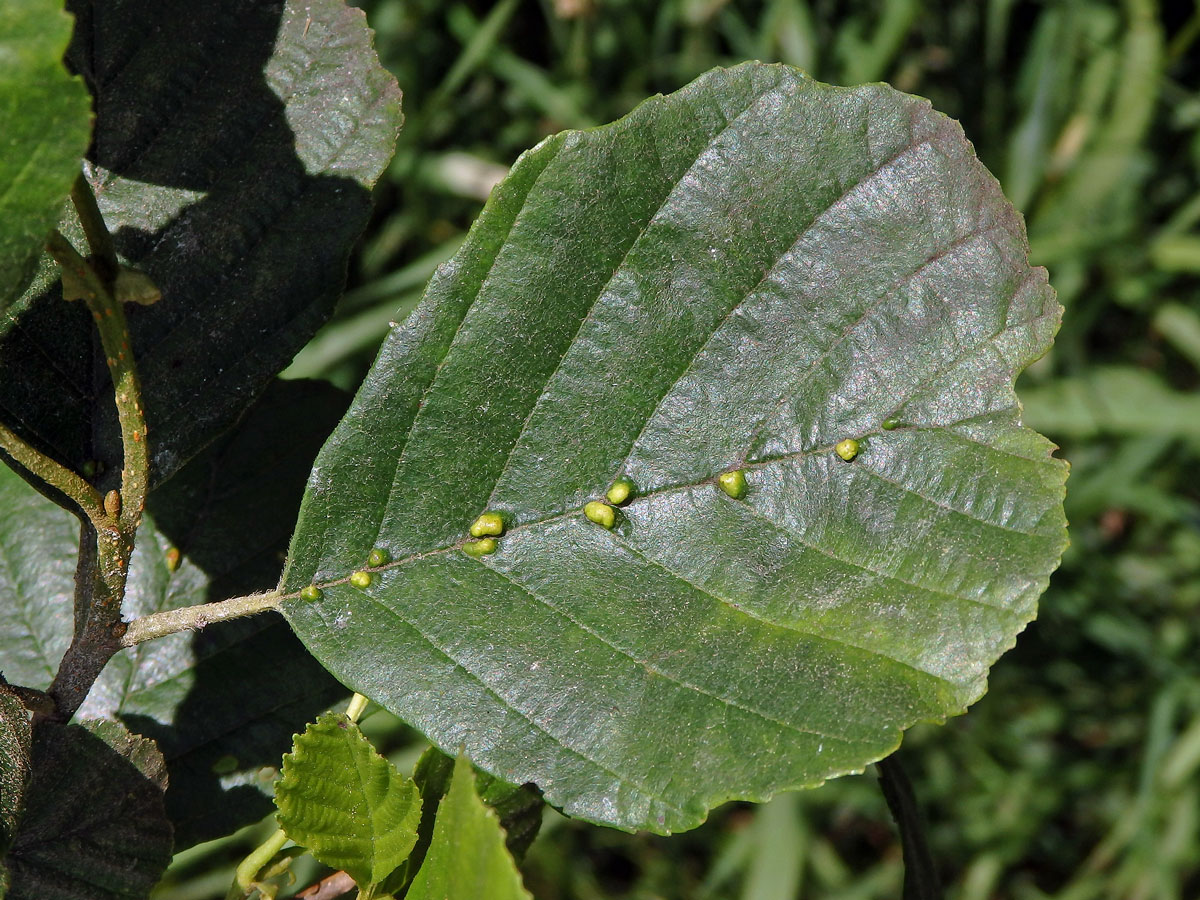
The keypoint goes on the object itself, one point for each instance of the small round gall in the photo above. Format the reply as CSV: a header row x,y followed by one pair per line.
x,y
600,513
621,491
733,483
847,449
488,524
482,547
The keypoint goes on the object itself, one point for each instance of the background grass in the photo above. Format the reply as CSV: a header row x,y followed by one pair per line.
x,y
1076,776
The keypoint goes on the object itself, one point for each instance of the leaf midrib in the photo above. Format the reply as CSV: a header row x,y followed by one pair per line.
x,y
691,485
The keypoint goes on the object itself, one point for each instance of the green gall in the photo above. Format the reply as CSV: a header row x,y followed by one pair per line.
x,y
311,593
489,523
378,557
480,548
600,513
620,492
889,424
847,449
361,579
173,557
733,483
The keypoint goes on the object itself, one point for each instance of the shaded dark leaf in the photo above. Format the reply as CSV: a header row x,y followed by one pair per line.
x,y
235,146
94,826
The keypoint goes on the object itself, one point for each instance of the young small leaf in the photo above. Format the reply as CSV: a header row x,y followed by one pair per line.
x,y
467,858
346,803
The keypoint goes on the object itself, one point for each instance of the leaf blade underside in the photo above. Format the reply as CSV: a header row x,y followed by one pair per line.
x,y
739,275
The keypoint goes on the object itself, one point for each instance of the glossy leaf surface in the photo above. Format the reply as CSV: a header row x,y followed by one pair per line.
x,y
235,147
738,276
346,803
467,857
45,123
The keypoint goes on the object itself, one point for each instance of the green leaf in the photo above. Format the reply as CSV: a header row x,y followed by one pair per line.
x,y
467,858
94,826
45,120
518,807
38,542
346,803
15,737
235,147
223,703
741,275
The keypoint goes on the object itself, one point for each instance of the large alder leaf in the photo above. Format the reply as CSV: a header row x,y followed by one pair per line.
x,y
235,147
742,274
45,123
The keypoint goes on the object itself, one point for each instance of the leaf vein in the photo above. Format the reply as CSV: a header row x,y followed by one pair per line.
x,y
508,704
544,392
669,676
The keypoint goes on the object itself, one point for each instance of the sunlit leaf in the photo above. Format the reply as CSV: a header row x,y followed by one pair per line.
x,y
742,276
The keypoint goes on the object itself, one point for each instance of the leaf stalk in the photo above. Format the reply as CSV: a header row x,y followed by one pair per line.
x,y
193,618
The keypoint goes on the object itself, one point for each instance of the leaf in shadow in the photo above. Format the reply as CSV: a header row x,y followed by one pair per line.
x,y
223,703
94,826
15,737
234,150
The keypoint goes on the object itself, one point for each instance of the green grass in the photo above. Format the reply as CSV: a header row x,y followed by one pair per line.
x,y
1077,775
